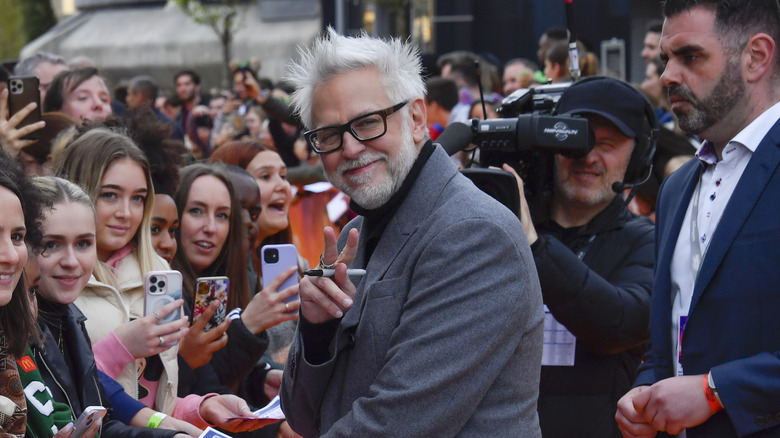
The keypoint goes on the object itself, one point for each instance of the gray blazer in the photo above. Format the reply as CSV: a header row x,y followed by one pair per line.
x,y
445,336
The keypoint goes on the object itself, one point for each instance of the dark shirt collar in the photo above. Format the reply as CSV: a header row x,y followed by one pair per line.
x,y
612,216
51,313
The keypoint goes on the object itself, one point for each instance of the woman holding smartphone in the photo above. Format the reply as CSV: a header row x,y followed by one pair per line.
x,y
272,225
210,229
65,257
115,173
19,224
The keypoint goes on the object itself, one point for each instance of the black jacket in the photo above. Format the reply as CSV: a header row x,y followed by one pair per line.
x,y
242,352
604,300
79,385
228,366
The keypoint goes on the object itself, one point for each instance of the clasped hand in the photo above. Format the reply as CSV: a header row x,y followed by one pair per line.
x,y
670,405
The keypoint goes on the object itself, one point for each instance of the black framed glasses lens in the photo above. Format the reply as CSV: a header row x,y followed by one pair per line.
x,y
364,128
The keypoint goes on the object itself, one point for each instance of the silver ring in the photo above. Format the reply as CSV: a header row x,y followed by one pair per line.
x,y
287,306
156,316
162,341
326,266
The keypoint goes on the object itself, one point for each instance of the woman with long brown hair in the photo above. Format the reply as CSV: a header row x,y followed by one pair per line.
x,y
17,324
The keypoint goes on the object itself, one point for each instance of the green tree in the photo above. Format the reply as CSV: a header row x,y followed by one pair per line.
x,y
224,17
38,17
22,22
12,31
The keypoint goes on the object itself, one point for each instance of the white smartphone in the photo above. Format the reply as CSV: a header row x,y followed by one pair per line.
x,y
161,288
89,416
274,260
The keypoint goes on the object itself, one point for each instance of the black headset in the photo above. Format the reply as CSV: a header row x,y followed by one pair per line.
x,y
640,165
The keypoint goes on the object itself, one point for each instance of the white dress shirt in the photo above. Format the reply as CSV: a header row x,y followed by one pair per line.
x,y
715,188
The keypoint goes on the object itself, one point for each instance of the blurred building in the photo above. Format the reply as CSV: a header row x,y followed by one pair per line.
x,y
130,37
63,8
501,29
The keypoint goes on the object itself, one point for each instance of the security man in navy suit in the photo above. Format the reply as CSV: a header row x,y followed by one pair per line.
x,y
714,366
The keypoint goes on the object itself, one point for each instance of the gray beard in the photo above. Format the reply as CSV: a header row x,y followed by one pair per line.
x,y
574,194
374,196
580,196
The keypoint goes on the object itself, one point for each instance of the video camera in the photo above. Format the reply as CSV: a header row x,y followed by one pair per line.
x,y
527,138
528,127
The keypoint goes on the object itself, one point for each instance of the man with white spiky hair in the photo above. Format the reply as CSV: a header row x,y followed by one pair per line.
x,y
442,334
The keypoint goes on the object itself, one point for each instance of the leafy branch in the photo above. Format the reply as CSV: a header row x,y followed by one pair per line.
x,y
224,17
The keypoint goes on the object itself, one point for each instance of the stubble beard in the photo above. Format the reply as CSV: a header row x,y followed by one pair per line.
x,y
710,110
587,196
584,196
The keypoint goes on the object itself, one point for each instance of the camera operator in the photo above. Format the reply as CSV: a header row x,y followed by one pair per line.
x,y
595,263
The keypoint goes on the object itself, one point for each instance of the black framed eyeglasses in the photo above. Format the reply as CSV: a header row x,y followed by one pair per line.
x,y
364,128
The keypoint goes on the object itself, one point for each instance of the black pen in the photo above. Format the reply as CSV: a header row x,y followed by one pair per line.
x,y
332,272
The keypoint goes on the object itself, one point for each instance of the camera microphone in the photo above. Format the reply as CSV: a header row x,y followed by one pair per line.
x,y
455,137
619,186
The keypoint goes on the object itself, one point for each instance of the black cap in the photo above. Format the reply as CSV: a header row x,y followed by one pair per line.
x,y
613,99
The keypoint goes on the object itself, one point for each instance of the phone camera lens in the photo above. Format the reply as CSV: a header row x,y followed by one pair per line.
x,y
161,284
153,279
271,255
152,288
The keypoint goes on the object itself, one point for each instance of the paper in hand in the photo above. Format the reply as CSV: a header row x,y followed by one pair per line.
x,y
271,411
213,433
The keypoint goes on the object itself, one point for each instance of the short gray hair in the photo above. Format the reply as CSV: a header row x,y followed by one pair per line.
x,y
398,64
26,66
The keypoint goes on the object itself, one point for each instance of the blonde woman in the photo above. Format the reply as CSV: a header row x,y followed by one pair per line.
x,y
129,346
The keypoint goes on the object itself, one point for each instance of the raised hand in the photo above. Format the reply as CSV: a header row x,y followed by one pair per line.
x,y
143,337
10,137
326,298
198,346
268,307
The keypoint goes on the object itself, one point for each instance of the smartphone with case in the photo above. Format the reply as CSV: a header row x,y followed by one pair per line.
x,y
161,288
86,419
21,91
208,289
274,260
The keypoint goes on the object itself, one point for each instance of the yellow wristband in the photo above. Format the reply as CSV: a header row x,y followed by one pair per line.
x,y
155,420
